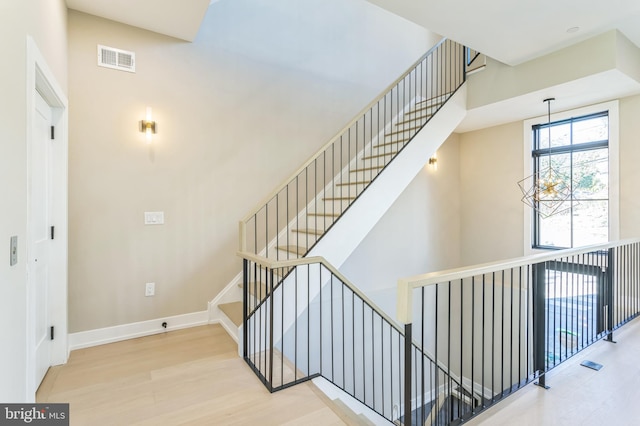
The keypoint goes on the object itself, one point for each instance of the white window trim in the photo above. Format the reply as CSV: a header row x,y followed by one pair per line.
x,y
614,161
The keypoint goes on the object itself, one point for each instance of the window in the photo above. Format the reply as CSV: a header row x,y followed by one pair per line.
x,y
577,149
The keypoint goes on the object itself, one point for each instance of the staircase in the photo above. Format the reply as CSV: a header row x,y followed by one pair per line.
x,y
296,237
381,150
321,213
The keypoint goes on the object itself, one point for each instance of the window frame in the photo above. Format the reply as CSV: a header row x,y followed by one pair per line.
x,y
529,218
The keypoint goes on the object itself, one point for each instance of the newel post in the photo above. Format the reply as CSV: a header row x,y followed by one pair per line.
x,y
404,310
539,322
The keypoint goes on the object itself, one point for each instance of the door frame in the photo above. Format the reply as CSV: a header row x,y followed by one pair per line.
x,y
41,79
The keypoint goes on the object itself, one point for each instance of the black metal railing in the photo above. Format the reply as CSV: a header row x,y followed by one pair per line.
x,y
291,220
314,323
499,326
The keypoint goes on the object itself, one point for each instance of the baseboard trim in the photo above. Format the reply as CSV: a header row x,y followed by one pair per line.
x,y
102,336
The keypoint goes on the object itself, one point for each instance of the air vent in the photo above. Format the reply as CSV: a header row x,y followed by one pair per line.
x,y
116,59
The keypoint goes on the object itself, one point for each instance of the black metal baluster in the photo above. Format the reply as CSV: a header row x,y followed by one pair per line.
x,y
461,415
333,373
449,353
308,308
364,369
473,331
270,282
353,342
435,351
343,340
540,329
408,347
511,322
373,362
321,336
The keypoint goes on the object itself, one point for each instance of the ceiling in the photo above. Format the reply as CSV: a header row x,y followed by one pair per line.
x,y
590,90
176,18
534,27
513,32
509,31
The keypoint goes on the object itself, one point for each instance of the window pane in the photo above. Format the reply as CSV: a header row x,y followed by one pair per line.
x,y
561,163
555,231
560,135
573,184
591,130
591,174
590,223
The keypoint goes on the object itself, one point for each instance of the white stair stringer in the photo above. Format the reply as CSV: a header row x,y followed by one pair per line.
x,y
337,244
232,291
332,189
355,224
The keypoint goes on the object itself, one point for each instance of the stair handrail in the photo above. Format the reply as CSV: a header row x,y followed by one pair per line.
x,y
242,224
291,263
408,284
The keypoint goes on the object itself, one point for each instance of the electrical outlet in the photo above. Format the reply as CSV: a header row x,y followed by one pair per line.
x,y
13,251
150,289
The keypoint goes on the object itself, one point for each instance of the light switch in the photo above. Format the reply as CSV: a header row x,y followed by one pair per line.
x,y
154,218
13,251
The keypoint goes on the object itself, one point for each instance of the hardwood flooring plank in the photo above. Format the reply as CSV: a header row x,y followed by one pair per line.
x,y
185,377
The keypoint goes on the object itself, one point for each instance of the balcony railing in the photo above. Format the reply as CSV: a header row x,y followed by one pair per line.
x,y
501,325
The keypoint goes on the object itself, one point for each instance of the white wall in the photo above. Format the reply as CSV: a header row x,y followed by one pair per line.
x,y
263,86
491,160
419,233
629,170
45,21
491,213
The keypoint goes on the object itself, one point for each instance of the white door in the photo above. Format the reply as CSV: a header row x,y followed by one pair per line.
x,y
40,234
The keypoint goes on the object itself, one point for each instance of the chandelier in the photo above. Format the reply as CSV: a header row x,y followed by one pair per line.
x,y
547,190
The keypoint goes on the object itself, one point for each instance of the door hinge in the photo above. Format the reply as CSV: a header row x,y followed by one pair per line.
x,y
53,232
51,332
53,132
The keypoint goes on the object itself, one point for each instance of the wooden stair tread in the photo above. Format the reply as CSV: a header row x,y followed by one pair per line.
x,y
416,118
436,100
398,142
309,231
322,214
232,310
362,182
338,198
384,154
408,129
366,169
422,108
300,251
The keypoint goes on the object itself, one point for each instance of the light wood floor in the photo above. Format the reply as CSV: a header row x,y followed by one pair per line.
x,y
580,396
192,376
195,377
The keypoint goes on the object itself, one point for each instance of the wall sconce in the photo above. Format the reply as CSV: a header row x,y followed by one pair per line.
x,y
433,162
148,126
